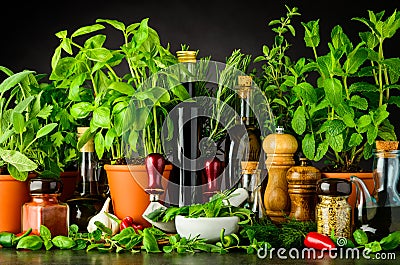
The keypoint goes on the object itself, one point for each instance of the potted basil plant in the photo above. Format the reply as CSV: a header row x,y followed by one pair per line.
x,y
104,87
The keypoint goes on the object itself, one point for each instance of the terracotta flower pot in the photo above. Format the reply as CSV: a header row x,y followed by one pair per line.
x,y
13,194
127,189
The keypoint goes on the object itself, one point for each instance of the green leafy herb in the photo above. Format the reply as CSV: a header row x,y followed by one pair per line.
x,y
213,208
189,245
32,242
150,242
360,237
392,241
63,242
45,234
293,232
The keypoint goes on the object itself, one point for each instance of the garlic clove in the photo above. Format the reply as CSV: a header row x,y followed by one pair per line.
x,y
104,219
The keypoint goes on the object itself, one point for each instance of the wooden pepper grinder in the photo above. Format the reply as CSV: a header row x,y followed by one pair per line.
x,y
302,184
279,148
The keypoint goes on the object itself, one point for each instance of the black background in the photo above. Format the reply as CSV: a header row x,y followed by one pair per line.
x,y
215,28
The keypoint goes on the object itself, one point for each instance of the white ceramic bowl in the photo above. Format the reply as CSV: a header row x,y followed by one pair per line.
x,y
207,228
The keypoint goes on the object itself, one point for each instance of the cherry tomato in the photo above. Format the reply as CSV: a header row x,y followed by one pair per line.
x,y
137,227
128,220
123,225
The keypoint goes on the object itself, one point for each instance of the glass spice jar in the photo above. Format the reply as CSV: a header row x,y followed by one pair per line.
x,y
44,208
333,212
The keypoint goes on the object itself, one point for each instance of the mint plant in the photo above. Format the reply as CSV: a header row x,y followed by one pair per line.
x,y
342,114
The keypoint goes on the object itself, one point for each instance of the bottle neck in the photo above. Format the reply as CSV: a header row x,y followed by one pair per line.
x,y
244,110
88,181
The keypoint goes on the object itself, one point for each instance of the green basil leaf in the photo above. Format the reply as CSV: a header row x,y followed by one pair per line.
x,y
181,92
123,88
63,242
127,232
142,33
48,244
73,229
81,110
101,117
32,242
45,232
116,24
86,30
99,145
74,88
149,242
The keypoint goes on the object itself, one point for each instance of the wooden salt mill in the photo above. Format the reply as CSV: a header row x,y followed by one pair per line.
x,y
302,183
279,148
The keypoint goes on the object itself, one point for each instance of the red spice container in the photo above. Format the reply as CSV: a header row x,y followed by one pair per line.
x,y
45,208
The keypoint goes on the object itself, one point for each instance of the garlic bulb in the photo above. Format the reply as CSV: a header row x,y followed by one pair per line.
x,y
109,220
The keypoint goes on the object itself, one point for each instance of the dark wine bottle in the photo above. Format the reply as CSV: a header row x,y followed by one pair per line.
x,y
188,126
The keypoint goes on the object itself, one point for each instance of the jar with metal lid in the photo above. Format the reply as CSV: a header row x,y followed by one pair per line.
x,y
44,208
333,212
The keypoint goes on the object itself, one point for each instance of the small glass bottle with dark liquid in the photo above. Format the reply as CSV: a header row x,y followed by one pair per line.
x,y
87,200
378,213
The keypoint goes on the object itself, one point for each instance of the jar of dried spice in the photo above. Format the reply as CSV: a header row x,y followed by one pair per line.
x,y
333,212
45,208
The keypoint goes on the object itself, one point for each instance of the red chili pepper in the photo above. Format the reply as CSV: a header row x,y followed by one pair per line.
x,y
318,241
